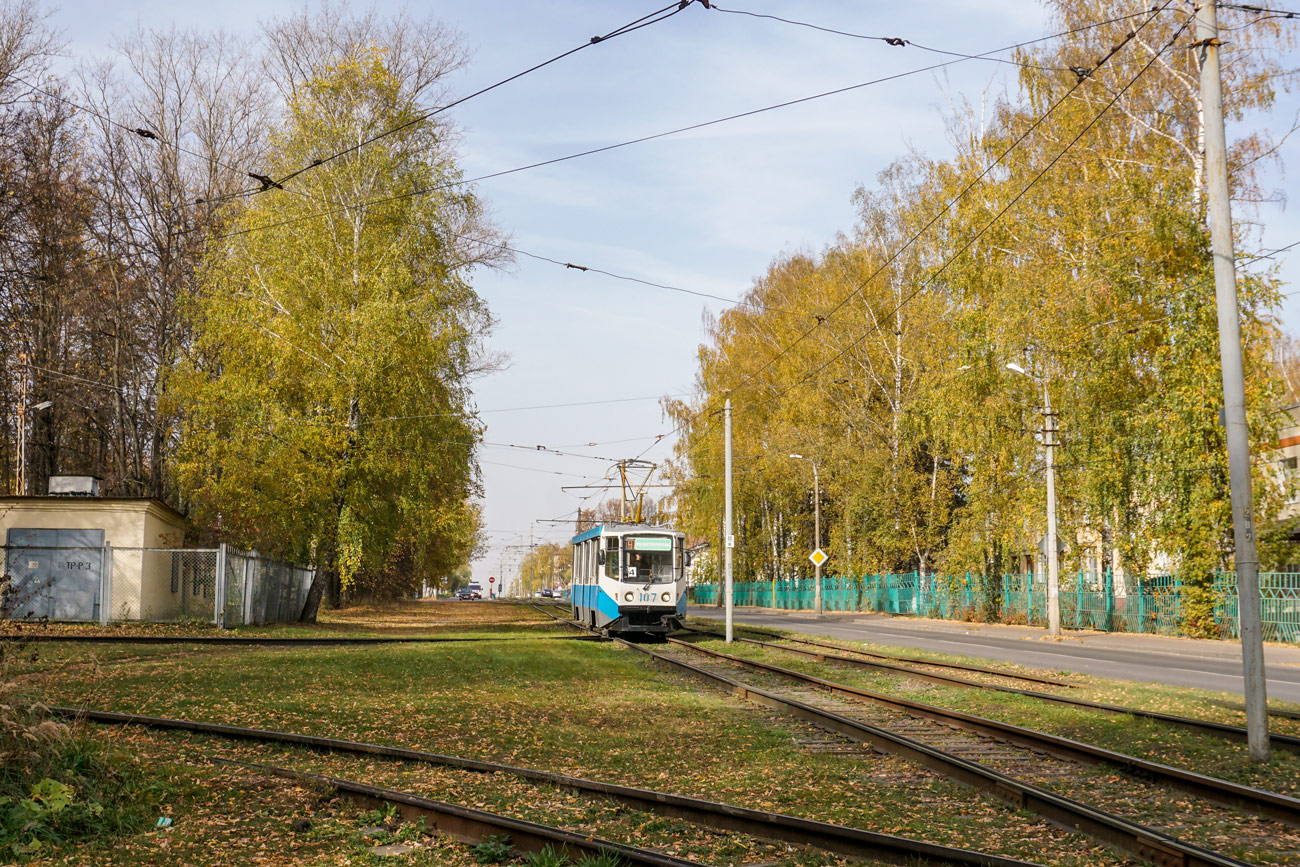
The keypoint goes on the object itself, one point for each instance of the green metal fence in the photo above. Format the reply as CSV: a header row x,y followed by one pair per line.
x,y
1089,600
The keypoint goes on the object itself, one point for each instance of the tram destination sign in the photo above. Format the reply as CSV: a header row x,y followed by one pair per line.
x,y
644,543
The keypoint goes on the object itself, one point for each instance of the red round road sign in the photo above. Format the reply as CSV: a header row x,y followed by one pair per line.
x,y
492,579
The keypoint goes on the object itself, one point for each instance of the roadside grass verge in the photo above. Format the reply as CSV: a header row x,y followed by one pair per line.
x,y
1184,701
1146,739
577,708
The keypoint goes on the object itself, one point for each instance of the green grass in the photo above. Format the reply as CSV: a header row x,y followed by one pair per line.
x,y
1147,739
579,708
68,789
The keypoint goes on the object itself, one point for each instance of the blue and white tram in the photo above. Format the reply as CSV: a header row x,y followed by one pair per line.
x,y
629,578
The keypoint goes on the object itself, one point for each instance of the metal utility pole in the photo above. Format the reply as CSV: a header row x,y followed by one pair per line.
x,y
730,539
817,533
1234,390
1049,541
1053,555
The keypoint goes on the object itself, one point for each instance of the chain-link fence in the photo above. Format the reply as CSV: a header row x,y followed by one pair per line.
x,y
214,585
163,584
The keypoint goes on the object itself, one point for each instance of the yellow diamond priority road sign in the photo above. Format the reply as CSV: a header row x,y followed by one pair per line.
x,y
818,557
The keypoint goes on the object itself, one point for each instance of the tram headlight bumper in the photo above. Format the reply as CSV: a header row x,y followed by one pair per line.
x,y
627,597
664,597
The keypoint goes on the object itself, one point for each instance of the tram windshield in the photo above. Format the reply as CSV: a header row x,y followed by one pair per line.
x,y
648,559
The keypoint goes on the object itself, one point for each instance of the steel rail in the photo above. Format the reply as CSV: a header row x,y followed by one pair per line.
x,y
1290,743
469,825
1148,844
1281,713
1273,805
821,656
253,640
758,823
917,660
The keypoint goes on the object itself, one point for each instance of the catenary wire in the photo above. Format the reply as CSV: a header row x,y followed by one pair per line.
x,y
939,213
1261,10
679,130
895,41
969,241
655,17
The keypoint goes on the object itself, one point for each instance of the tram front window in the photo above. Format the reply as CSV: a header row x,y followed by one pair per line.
x,y
649,560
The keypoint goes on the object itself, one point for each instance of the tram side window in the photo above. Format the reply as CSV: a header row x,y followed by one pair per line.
x,y
611,557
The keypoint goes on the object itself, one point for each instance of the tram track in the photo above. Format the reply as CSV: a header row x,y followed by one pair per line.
x,y
890,668
1227,731
470,825
933,746
914,660
964,748
761,824
1271,805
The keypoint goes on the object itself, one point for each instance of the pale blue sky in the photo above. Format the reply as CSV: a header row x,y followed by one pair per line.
x,y
706,211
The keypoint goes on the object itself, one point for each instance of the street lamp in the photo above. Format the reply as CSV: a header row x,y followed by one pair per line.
x,y
22,440
817,532
1053,560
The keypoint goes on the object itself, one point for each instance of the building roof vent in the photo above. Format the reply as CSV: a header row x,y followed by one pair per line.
x,y
73,486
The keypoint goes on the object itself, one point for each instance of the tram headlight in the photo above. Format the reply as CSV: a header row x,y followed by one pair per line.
x,y
665,597
627,597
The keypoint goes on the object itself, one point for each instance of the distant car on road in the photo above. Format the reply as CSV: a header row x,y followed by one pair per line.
x,y
472,591
546,593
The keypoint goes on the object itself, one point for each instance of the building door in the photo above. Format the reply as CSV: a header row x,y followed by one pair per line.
x,y
56,573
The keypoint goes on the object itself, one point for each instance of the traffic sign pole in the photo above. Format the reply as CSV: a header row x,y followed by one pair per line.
x,y
817,531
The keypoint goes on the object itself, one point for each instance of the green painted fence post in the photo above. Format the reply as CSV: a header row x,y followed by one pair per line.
x,y
1078,600
1142,607
1109,589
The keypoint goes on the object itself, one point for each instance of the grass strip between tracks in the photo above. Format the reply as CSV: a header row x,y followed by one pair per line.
x,y
473,826
1283,808
775,826
1148,844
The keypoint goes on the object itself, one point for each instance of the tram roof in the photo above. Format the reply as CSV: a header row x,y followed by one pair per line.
x,y
621,528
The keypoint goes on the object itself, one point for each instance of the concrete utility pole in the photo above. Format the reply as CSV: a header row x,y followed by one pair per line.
x,y
1049,541
730,540
817,532
1234,389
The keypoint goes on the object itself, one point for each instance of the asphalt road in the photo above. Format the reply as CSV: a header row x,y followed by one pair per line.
x,y
1152,659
